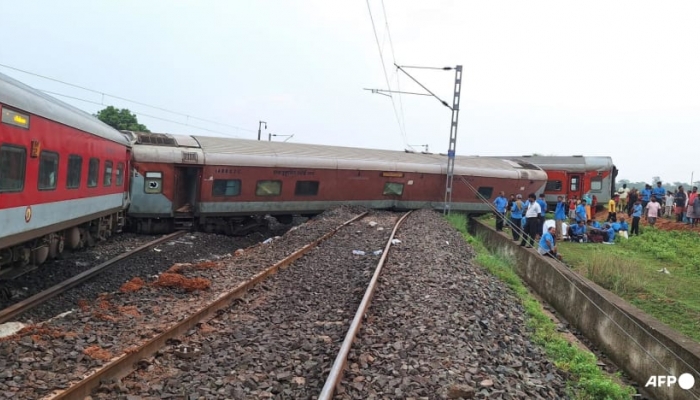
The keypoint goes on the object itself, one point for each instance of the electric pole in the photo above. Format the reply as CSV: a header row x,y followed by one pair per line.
x,y
260,123
451,152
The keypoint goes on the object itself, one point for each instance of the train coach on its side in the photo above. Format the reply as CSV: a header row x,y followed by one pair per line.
x,y
63,176
226,185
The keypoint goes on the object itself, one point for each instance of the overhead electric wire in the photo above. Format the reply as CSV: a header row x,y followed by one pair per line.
x,y
393,56
124,99
137,113
386,76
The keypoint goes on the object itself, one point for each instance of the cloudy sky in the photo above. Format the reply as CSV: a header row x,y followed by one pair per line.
x,y
594,78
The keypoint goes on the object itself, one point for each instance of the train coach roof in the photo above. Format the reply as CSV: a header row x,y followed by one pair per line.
x,y
24,98
242,152
569,163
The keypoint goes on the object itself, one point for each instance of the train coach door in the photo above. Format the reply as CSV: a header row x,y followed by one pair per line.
x,y
186,189
575,186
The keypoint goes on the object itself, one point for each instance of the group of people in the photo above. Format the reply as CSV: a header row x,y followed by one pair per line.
x,y
527,217
652,203
527,222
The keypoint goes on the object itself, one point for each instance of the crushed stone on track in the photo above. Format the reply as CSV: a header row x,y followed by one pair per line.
x,y
106,321
441,326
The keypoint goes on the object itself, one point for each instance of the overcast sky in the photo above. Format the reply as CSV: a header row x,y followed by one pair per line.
x,y
594,78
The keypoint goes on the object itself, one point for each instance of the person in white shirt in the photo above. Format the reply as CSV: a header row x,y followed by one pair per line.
x,y
532,224
669,205
623,192
653,208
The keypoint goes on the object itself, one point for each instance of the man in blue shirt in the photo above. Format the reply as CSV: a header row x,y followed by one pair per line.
x,y
609,234
501,202
543,208
516,216
645,195
559,216
581,214
659,192
636,215
548,246
577,232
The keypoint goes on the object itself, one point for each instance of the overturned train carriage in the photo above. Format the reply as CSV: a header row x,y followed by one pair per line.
x,y
227,185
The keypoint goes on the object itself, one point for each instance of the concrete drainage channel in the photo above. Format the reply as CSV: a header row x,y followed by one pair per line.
x,y
640,344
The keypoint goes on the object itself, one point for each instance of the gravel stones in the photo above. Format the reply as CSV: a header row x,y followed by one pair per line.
x,y
281,340
107,322
441,327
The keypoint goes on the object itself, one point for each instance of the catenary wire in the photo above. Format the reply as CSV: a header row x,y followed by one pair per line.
x,y
522,232
393,56
123,99
386,76
138,113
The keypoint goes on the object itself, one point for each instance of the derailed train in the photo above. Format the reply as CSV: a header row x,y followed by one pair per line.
x,y
68,180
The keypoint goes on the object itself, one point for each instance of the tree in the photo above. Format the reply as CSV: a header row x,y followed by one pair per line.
x,y
122,120
655,179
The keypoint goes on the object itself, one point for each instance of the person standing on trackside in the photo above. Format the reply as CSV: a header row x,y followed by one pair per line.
x,y
532,223
669,205
680,200
612,210
690,213
631,200
645,195
572,208
516,216
652,211
623,192
559,216
636,216
581,214
543,207
659,193
501,202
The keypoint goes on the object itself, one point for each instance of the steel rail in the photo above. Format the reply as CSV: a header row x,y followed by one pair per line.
x,y
124,364
27,304
336,373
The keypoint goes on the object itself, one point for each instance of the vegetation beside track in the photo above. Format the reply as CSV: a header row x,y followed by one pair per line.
x,y
588,381
630,268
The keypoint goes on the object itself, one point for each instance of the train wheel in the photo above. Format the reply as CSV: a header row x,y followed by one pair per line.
x,y
40,255
73,238
56,247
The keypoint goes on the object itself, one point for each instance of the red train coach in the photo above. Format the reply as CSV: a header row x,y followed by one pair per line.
x,y
571,176
218,183
62,176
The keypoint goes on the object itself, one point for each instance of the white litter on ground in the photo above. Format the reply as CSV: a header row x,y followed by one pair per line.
x,y
10,328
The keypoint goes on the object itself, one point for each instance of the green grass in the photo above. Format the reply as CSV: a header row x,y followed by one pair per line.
x,y
630,269
588,381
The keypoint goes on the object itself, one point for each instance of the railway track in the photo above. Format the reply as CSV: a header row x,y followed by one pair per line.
x,y
125,364
9,313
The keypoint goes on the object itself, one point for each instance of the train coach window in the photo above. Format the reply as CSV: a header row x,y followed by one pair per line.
x,y
486,191
226,187
553,186
107,180
120,174
596,184
75,167
153,183
48,170
574,184
13,161
306,188
393,189
268,188
93,172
